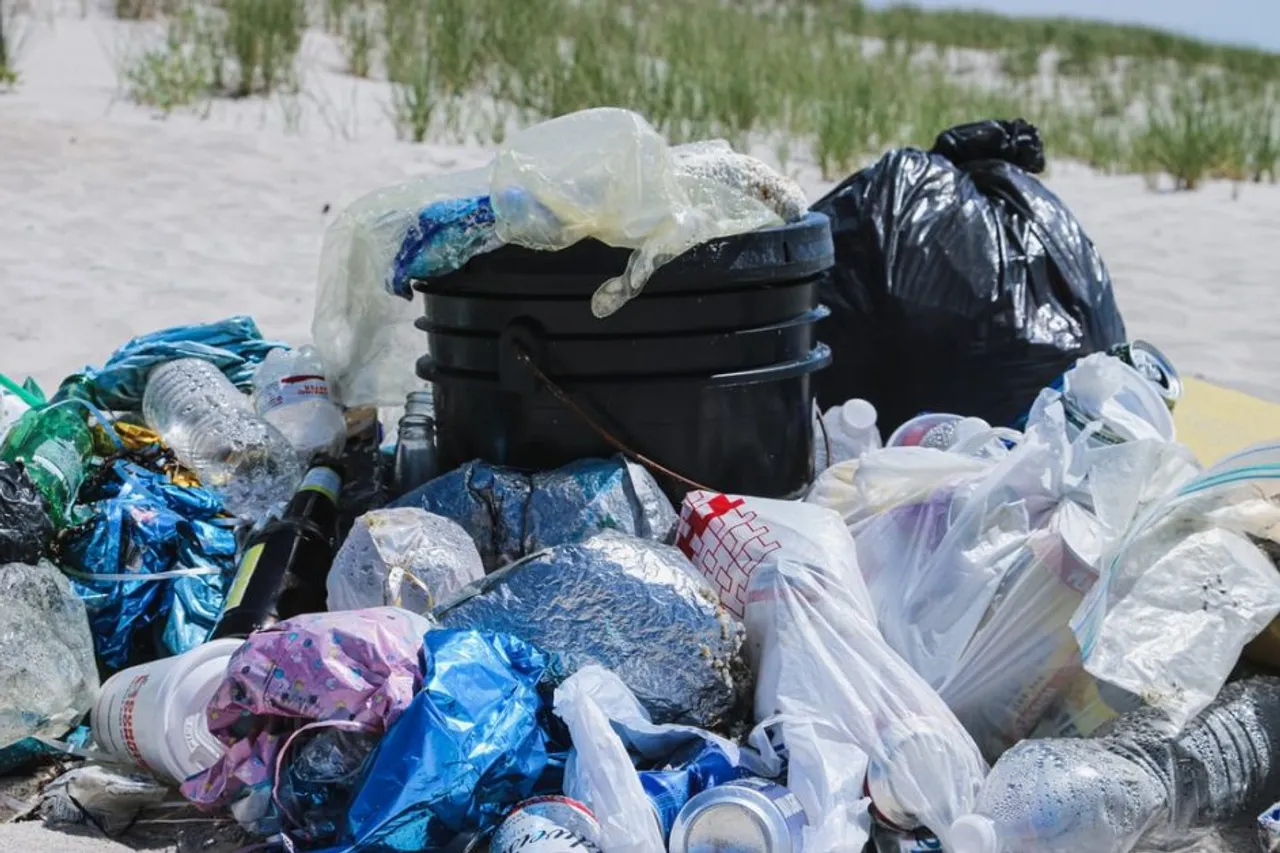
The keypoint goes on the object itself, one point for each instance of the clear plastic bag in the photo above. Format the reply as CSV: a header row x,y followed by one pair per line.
x,y
364,333
608,724
607,174
1187,587
837,686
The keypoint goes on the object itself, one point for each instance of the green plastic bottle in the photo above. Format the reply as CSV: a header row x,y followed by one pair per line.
x,y
54,444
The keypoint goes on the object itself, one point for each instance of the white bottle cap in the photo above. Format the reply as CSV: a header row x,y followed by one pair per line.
x,y
975,833
858,415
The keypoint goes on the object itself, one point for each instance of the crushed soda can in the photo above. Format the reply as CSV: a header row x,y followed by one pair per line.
x,y
746,816
1154,365
548,825
669,790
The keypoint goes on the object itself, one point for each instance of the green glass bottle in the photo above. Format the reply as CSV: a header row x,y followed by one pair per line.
x,y
54,444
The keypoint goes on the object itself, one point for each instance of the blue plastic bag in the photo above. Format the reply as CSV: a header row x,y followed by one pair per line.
x,y
471,745
172,540
447,235
235,345
511,514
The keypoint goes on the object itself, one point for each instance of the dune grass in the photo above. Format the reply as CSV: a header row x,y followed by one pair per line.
x,y
837,78
8,45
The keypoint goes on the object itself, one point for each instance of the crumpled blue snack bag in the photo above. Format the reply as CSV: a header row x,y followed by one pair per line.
x,y
470,746
172,540
511,514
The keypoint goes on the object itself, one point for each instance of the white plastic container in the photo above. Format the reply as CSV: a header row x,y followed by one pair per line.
x,y
849,429
154,714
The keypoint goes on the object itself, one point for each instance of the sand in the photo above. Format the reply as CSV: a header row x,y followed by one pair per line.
x,y
115,221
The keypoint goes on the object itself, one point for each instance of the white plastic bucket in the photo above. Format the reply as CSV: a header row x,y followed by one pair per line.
x,y
154,714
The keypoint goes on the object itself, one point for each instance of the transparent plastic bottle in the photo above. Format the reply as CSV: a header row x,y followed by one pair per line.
x,y
850,430
290,392
1138,781
212,430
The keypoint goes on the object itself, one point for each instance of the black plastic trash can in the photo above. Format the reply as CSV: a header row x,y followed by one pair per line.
x,y
707,372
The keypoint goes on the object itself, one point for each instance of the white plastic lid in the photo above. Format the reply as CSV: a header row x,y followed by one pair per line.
x,y
975,833
858,415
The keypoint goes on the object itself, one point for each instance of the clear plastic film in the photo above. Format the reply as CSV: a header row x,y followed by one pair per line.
x,y
1188,587
365,334
824,665
607,174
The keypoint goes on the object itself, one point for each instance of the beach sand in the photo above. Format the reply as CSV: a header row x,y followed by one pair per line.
x,y
115,221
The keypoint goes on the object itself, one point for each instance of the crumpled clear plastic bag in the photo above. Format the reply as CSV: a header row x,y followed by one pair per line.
x,y
1102,388
608,725
825,667
606,173
47,668
364,334
404,557
1187,588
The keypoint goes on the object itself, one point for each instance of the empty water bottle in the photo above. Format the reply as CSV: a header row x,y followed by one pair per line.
x,y
1137,781
213,431
292,394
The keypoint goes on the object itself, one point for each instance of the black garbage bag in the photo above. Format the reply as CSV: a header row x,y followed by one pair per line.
x,y
25,528
961,284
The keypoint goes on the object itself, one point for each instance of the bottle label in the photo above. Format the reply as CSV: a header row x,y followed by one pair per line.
x,y
61,461
290,390
235,595
323,480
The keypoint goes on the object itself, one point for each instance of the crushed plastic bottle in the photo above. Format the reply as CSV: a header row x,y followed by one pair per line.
x,y
1137,781
212,429
48,676
54,444
291,393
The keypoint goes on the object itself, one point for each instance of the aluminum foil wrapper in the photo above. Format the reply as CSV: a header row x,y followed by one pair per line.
x,y
633,606
511,514
403,557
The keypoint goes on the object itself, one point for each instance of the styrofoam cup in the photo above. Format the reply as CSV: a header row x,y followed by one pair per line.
x,y
154,714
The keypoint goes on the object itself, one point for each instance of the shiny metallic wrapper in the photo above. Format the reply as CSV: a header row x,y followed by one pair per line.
x,y
633,606
511,514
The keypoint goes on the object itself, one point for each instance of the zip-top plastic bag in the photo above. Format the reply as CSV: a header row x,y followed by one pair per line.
x,y
1187,587
834,684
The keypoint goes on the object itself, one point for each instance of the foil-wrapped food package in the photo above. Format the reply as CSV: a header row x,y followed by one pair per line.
x,y
511,514
633,606
403,557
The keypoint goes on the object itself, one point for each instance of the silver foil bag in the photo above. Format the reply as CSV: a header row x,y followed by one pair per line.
x,y
511,514
636,607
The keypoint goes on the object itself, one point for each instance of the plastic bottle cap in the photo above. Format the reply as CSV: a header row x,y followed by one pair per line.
x,y
858,415
975,833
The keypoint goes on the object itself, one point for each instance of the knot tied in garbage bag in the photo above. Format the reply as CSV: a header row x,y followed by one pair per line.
x,y
962,284
511,514
635,607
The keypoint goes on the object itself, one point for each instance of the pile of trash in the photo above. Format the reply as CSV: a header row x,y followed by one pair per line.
x,y
235,579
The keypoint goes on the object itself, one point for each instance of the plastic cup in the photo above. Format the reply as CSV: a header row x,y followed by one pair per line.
x,y
913,431
154,714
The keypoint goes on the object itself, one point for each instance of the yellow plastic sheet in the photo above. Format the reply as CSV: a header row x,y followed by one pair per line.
x,y
1215,421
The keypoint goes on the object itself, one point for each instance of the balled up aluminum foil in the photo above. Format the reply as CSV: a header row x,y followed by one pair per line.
x,y
511,514
633,606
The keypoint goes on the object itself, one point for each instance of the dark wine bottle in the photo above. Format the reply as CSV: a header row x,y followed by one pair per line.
x,y
284,568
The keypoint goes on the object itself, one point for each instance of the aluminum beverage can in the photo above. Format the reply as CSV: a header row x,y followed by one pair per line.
x,y
1145,358
670,789
898,841
548,825
746,816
